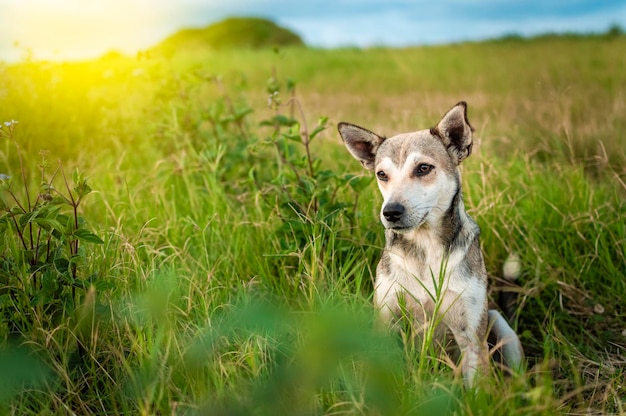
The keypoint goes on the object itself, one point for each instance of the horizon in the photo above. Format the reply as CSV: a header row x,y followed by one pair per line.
x,y
74,30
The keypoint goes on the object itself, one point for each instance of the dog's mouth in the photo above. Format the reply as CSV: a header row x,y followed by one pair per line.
x,y
401,229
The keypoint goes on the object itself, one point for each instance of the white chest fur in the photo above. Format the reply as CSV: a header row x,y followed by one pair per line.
x,y
427,278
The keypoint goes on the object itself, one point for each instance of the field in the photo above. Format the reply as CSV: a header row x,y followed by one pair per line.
x,y
173,241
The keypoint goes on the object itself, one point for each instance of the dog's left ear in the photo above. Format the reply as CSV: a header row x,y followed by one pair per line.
x,y
455,132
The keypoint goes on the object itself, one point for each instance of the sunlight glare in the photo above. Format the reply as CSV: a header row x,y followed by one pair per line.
x,y
79,29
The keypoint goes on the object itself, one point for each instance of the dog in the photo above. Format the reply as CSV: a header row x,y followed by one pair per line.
x,y
432,265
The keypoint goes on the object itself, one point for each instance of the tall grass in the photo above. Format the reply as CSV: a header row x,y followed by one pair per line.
x,y
236,271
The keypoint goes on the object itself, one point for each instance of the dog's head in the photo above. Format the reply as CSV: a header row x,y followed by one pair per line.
x,y
417,172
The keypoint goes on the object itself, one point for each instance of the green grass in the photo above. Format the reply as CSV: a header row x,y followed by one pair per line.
x,y
236,278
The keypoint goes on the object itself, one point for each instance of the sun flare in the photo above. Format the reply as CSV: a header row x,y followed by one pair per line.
x,y
78,29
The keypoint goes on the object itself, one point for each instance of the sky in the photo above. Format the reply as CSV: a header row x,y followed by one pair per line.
x,y
85,29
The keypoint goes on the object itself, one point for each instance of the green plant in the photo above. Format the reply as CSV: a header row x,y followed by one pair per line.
x,y
42,261
313,204
306,192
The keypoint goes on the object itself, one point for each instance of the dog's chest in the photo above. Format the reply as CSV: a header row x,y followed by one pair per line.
x,y
421,267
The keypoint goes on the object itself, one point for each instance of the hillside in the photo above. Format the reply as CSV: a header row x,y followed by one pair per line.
x,y
236,32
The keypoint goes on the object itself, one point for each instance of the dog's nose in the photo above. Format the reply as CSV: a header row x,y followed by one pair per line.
x,y
393,211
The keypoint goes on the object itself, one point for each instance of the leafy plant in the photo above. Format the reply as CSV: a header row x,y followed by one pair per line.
x,y
41,242
306,193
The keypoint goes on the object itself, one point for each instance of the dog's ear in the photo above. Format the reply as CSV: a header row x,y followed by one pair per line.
x,y
361,143
455,132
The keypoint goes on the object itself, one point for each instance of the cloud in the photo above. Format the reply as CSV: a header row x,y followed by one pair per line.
x,y
457,21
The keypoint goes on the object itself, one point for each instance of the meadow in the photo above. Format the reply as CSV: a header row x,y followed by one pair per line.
x,y
188,235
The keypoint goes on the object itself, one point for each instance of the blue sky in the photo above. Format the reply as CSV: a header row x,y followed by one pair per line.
x,y
75,29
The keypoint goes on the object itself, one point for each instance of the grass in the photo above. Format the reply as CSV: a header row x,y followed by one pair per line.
x,y
235,273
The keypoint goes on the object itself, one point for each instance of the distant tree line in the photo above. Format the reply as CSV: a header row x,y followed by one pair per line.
x,y
614,31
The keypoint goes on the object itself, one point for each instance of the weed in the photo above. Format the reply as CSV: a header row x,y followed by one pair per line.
x,y
42,236
312,205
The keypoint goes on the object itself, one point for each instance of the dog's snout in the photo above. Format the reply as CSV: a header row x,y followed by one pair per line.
x,y
393,211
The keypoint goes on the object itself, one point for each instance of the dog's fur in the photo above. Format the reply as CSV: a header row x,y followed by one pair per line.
x,y
432,244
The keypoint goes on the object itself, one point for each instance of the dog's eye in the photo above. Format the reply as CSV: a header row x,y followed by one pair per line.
x,y
382,176
423,169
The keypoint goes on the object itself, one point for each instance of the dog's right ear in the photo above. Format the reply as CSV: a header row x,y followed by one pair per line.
x,y
361,143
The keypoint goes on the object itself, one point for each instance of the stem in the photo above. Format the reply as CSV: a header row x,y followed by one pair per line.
x,y
54,175
48,248
15,199
76,228
37,246
22,169
19,232
305,133
285,161
306,141
67,186
30,230
73,244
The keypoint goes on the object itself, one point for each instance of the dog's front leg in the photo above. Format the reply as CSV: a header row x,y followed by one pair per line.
x,y
386,298
472,356
469,335
387,318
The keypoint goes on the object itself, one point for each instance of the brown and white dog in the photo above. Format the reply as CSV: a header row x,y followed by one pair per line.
x,y
432,264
